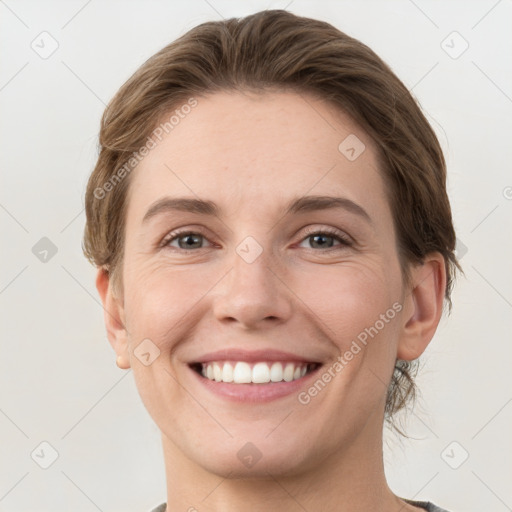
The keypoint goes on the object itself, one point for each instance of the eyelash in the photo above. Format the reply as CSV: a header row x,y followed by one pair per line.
x,y
344,240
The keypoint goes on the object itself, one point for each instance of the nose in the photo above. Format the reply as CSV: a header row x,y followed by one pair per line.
x,y
253,295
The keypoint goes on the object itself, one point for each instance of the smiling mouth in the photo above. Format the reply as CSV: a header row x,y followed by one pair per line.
x,y
242,372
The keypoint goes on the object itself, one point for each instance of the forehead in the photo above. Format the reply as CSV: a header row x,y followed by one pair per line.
x,y
244,148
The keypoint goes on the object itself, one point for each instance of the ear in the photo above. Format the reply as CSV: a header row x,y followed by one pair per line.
x,y
423,307
113,313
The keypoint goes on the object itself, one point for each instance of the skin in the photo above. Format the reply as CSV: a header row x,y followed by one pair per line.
x,y
251,154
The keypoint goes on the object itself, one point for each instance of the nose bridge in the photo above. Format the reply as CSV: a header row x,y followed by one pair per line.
x,y
252,268
252,291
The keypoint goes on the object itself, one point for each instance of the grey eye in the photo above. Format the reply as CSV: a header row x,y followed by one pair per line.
x,y
321,240
187,241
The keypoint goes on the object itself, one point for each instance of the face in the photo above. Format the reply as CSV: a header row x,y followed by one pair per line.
x,y
279,271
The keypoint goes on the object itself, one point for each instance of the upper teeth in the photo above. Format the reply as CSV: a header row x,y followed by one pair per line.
x,y
260,373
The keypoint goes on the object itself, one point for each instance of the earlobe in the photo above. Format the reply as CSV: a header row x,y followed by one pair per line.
x,y
423,308
113,313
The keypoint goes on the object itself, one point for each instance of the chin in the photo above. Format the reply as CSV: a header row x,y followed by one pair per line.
x,y
240,458
264,468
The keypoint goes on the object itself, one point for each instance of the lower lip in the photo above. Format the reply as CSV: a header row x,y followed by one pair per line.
x,y
254,392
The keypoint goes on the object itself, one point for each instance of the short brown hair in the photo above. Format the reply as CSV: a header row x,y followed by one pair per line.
x,y
276,49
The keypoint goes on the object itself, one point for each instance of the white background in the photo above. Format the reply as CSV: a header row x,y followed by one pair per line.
x,y
58,378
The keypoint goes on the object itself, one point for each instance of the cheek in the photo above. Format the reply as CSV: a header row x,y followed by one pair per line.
x,y
159,300
351,297
357,308
159,305
345,298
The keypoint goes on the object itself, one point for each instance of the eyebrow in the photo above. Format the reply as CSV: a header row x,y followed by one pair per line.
x,y
299,205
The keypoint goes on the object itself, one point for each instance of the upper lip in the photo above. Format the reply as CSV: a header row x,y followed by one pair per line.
x,y
251,356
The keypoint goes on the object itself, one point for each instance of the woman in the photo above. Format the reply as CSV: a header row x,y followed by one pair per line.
x,y
274,244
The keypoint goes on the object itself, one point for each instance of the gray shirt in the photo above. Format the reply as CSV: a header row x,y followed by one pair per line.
x,y
429,507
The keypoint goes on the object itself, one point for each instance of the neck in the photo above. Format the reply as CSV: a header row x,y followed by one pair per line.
x,y
351,479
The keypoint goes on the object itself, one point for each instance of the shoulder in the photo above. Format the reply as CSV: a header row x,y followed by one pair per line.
x,y
160,508
429,507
